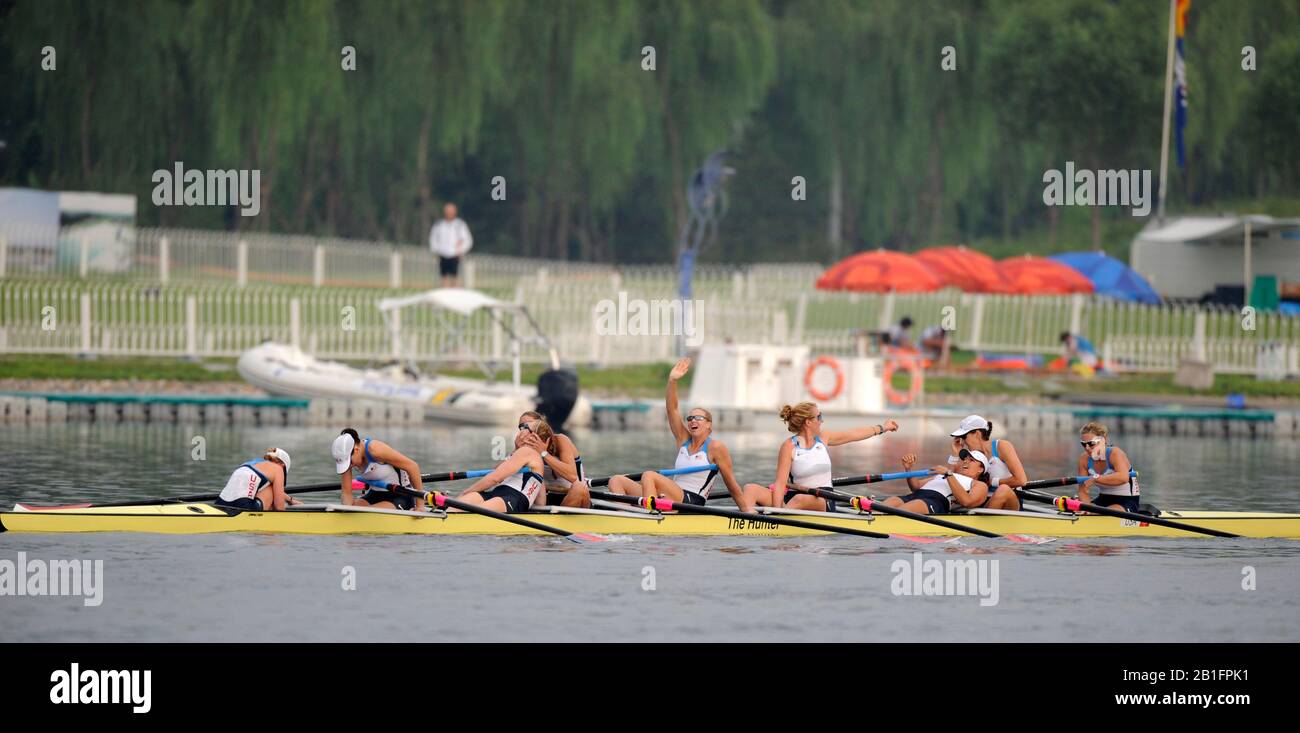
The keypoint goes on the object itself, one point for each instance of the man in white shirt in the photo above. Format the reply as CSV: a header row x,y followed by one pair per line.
x,y
450,240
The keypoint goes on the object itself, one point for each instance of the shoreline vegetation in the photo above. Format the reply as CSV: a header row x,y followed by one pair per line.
x,y
40,373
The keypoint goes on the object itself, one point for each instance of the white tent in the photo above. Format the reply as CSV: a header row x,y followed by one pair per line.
x,y
1189,256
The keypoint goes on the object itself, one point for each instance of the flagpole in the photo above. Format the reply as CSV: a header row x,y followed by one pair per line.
x,y
1164,129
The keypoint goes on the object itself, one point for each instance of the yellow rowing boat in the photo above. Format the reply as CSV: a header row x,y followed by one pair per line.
x,y
335,519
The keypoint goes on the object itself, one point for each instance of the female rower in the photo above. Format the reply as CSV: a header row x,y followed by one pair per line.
x,y
804,460
696,448
257,485
516,483
381,465
563,465
1109,470
1006,473
965,485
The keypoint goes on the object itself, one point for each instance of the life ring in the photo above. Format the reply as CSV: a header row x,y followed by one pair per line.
x,y
913,369
839,379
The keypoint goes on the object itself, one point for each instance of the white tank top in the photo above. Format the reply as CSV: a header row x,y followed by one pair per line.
x,y
940,484
997,468
699,482
244,483
527,482
811,467
378,475
552,480
1129,489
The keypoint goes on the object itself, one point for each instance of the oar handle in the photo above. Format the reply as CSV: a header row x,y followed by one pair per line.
x,y
604,481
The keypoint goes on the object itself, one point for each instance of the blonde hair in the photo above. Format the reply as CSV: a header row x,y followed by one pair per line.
x,y
543,430
531,415
1095,428
797,416
270,455
701,409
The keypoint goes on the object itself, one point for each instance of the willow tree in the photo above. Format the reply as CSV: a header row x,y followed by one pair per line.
x,y
1083,78
574,119
101,81
715,62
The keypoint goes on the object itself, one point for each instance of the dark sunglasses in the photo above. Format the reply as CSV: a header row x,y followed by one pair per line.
x,y
696,418
1089,443
818,417
524,426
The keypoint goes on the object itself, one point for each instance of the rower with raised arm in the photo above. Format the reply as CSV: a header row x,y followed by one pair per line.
x,y
380,465
1109,470
696,447
258,485
1006,472
966,486
516,483
804,461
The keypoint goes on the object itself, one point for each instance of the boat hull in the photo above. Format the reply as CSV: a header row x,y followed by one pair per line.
x,y
204,518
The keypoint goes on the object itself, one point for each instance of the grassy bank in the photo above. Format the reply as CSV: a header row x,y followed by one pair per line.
x,y
647,380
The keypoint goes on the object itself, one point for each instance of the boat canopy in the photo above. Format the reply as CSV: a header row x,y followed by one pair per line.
x,y
463,302
459,300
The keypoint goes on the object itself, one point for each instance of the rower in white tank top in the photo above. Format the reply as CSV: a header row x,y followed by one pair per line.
x,y
244,483
377,475
939,484
550,478
810,467
699,482
526,482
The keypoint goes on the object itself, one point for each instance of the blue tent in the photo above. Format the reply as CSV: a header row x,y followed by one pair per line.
x,y
1110,276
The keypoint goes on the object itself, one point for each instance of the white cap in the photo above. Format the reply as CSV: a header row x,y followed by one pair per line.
x,y
983,459
969,423
280,455
342,452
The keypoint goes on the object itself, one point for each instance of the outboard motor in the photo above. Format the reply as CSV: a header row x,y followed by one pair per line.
x,y
557,392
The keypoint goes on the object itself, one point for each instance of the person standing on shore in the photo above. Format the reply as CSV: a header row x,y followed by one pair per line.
x,y
450,240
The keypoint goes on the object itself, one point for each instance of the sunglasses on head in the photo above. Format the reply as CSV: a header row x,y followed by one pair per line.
x,y
1089,443
696,418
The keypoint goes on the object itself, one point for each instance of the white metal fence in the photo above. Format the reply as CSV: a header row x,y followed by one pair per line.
x,y
39,316
211,293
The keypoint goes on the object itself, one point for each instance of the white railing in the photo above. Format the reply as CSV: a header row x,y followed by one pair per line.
x,y
759,304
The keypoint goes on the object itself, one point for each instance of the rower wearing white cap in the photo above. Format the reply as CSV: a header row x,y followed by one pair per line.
x,y
380,465
964,485
1006,472
259,484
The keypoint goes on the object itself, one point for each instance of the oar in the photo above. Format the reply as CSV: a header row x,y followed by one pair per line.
x,y
1066,504
309,488
441,500
604,481
872,478
664,505
865,504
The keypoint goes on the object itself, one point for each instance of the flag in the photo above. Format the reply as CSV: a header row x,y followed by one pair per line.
x,y
1180,77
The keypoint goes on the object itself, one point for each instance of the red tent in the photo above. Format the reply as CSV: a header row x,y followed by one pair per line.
x,y
1029,275
879,272
968,269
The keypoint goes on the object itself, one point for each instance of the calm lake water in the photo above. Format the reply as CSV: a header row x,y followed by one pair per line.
x,y
258,587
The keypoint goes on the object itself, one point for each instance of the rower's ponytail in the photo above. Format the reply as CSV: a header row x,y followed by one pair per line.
x,y
796,416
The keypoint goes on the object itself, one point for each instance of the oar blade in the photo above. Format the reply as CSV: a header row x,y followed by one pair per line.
x,y
1031,539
